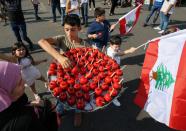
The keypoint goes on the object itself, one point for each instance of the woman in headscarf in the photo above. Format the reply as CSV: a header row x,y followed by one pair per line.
x,y
15,114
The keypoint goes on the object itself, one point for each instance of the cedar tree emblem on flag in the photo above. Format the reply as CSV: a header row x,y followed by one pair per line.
x,y
162,77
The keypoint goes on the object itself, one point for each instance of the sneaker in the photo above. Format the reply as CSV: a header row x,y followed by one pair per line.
x,y
144,25
160,32
90,9
157,28
116,102
38,18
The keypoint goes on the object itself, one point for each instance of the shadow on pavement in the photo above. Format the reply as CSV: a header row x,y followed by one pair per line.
x,y
134,60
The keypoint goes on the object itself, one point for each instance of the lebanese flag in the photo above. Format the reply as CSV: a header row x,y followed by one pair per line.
x,y
162,88
128,21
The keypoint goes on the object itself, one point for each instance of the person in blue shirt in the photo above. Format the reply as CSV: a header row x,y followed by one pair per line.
x,y
156,8
99,29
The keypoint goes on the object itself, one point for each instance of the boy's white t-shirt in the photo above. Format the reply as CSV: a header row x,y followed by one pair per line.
x,y
112,54
166,4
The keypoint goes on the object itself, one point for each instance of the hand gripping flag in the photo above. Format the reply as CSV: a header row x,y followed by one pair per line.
x,y
128,21
162,88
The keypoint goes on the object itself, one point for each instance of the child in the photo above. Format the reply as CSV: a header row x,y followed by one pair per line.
x,y
98,31
72,7
29,72
114,52
35,4
72,25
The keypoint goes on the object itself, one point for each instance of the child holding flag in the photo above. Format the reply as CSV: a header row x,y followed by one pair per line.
x,y
114,52
98,31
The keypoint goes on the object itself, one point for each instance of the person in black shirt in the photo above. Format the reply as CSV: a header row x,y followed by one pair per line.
x,y
17,21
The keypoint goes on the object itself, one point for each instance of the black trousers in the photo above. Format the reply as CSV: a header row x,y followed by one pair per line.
x,y
113,6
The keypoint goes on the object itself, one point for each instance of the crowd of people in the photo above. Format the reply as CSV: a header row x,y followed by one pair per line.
x,y
12,96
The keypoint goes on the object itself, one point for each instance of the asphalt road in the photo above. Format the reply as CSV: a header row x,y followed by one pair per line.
x,y
128,117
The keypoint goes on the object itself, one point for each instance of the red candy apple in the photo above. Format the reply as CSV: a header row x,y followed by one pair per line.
x,y
98,91
100,101
63,96
71,100
80,104
107,97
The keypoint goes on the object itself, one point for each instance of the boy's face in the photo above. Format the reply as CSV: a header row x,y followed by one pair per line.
x,y
115,47
101,18
71,31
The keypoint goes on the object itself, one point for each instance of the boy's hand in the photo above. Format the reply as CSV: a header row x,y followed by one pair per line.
x,y
112,27
94,36
64,61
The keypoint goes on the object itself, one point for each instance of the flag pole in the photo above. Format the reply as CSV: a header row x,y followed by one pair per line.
x,y
144,44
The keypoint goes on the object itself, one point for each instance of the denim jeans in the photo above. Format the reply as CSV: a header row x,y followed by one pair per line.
x,y
61,107
84,11
63,13
153,10
20,27
164,21
54,6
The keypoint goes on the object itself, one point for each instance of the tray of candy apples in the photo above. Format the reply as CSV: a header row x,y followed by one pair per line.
x,y
92,83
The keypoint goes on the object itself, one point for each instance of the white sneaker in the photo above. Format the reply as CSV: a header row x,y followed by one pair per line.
x,y
157,28
116,102
160,32
90,9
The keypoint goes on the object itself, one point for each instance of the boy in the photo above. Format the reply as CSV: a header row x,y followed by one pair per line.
x,y
72,25
114,52
114,49
98,32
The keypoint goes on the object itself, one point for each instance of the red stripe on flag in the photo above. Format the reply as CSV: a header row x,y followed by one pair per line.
x,y
150,59
137,13
122,26
178,110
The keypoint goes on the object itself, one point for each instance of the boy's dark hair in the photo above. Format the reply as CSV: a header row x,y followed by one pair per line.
x,y
72,19
115,40
99,12
19,45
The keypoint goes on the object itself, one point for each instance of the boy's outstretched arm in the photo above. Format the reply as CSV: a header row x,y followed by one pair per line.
x,y
128,51
46,44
